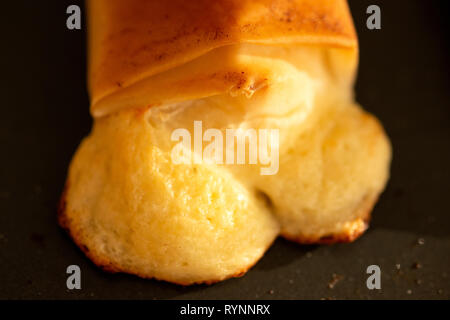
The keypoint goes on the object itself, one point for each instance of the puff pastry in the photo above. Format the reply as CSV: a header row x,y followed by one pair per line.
x,y
155,66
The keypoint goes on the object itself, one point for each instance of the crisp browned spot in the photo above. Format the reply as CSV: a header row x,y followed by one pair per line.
x,y
364,211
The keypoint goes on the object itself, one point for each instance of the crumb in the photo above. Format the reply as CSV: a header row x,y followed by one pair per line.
x,y
417,265
271,291
418,282
440,291
398,268
420,241
409,291
334,281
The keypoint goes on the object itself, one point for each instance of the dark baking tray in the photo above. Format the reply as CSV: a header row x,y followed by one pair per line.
x,y
403,79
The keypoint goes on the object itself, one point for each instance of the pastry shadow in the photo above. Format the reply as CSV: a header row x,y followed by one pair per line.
x,y
282,253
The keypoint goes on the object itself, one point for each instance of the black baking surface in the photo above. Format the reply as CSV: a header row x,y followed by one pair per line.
x,y
403,79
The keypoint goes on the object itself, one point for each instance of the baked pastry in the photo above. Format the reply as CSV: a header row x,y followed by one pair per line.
x,y
159,66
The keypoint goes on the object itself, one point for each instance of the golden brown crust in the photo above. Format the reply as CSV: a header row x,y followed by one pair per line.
x,y
65,223
133,40
107,265
354,231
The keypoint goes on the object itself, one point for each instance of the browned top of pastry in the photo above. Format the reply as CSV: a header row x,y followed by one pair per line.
x,y
134,39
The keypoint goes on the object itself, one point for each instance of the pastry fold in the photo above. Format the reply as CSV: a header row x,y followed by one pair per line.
x,y
135,46
159,66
